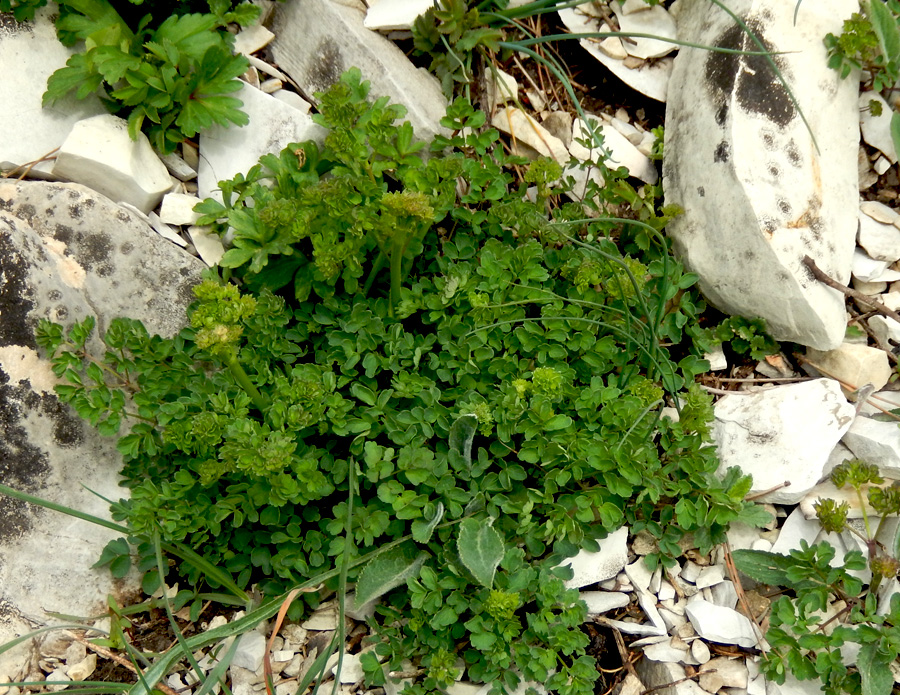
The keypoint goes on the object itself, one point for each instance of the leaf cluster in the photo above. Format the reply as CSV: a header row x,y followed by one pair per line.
x,y
23,10
493,385
170,80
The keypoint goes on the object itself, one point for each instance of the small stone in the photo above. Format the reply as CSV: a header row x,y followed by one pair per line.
x,y
872,289
252,39
179,168
875,442
559,124
324,618
879,212
666,651
61,680
710,576
717,624
729,673
592,567
178,209
880,240
293,99
655,21
881,165
724,594
600,602
271,86
854,365
523,128
869,269
208,245
666,591
502,87
391,15
700,651
639,575
83,669
672,620
250,651
690,571
612,46
795,529
876,130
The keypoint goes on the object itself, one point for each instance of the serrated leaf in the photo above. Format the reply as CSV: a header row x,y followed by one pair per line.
x,y
874,670
388,570
763,567
480,549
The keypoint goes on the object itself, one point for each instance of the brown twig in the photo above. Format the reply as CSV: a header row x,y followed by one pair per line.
x,y
763,493
859,296
623,653
742,597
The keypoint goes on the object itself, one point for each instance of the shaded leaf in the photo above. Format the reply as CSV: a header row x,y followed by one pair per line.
x,y
480,549
387,571
763,566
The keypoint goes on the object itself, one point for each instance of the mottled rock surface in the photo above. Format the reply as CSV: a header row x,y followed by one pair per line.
x,y
758,192
66,253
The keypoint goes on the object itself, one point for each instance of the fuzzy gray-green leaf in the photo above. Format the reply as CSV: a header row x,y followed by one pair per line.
x,y
762,566
387,571
480,549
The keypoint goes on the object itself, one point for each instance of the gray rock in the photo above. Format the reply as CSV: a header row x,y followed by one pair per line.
x,y
29,53
66,253
718,624
592,567
318,40
758,196
783,434
250,651
875,442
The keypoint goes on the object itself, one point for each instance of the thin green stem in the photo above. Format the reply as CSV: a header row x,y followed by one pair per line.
x,y
243,379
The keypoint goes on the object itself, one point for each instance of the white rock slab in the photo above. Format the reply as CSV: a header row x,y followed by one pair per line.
x,y
252,39
855,365
273,125
881,241
723,672
661,674
875,442
868,269
29,54
666,651
882,400
592,567
318,40
618,150
209,246
782,434
876,130
525,129
879,212
100,154
600,602
723,625
828,490
758,196
391,15
655,21
710,576
165,230
502,87
651,78
885,329
724,594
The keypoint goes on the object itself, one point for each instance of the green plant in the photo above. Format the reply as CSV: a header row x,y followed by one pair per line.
x,y
871,41
170,80
23,10
469,426
746,336
832,608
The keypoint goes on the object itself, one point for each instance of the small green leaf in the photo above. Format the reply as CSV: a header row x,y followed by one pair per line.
x,y
763,567
480,549
462,432
423,529
388,570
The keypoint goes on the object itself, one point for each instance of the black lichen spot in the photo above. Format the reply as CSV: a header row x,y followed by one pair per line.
x,y
769,225
15,297
793,154
26,211
104,270
768,140
23,465
75,212
774,171
749,78
722,153
749,256
68,430
701,191
722,115
785,207
123,216
329,66
62,313
126,248
63,233
54,295
94,250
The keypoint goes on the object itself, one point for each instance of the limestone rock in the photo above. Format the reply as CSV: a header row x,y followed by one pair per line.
x,y
66,252
655,21
876,130
875,442
621,151
880,240
592,567
273,125
178,209
758,196
717,624
783,434
854,365
250,651
390,15
100,154
29,54
524,129
318,40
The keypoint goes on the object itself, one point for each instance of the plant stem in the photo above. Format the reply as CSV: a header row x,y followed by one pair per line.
x,y
396,267
261,403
